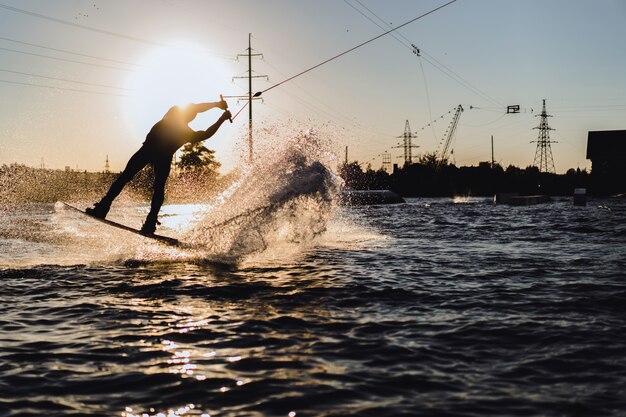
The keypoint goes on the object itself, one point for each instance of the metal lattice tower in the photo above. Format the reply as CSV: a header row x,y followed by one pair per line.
x,y
386,161
407,144
448,135
543,154
107,167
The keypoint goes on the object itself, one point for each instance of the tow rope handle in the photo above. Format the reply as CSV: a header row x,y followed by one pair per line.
x,y
222,98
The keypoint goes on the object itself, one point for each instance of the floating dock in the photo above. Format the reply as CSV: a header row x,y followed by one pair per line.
x,y
521,200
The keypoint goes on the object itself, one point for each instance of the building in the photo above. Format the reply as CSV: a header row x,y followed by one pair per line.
x,y
607,151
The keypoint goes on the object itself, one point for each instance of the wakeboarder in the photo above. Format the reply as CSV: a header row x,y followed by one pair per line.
x,y
163,140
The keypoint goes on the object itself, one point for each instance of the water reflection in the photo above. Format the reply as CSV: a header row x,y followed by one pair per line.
x,y
226,330
189,409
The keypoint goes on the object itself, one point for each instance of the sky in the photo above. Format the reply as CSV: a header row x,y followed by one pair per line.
x,y
85,80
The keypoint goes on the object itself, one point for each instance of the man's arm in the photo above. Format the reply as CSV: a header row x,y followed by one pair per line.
x,y
201,135
202,107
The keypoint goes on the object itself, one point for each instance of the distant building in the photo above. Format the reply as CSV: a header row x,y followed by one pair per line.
x,y
607,151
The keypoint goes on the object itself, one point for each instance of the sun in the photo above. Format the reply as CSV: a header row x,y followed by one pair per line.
x,y
174,75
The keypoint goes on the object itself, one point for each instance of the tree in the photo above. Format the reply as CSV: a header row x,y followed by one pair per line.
x,y
353,175
199,159
430,159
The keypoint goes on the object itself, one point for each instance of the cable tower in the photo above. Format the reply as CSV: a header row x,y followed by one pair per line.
x,y
543,154
251,96
407,143
386,161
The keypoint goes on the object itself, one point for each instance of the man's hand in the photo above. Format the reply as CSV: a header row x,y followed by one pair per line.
x,y
226,116
222,104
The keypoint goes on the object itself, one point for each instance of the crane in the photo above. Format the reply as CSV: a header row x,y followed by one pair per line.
x,y
448,135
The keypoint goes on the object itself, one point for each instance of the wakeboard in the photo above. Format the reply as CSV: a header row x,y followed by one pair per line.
x,y
163,239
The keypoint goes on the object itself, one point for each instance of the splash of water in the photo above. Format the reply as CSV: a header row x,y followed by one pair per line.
x,y
284,199
277,208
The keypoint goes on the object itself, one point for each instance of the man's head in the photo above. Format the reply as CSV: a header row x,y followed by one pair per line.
x,y
183,113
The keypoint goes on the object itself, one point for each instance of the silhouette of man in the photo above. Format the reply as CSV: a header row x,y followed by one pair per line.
x,y
163,140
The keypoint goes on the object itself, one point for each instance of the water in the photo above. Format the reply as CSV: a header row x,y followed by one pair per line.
x,y
283,304
434,307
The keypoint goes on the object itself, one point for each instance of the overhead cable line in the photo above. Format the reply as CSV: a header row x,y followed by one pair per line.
x,y
355,47
450,73
68,52
388,26
337,117
65,59
64,88
484,124
427,57
441,67
91,28
430,115
334,115
63,79
78,25
586,108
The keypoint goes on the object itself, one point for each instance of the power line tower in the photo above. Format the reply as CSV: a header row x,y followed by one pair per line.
x,y
543,154
386,162
407,143
107,167
250,76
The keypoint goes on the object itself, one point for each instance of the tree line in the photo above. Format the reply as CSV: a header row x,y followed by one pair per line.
x,y
194,178
429,177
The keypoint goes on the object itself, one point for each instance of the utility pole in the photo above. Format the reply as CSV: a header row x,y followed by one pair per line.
x,y
346,161
407,138
249,55
543,154
493,162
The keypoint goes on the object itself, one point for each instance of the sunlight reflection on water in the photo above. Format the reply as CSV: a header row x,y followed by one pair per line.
x,y
426,308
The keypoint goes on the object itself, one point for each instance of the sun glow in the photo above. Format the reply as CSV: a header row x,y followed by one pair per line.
x,y
174,75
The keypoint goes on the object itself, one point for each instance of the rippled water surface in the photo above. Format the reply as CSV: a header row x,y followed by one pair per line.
x,y
428,308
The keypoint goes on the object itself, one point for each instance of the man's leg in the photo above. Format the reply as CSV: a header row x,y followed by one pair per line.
x,y
161,172
135,164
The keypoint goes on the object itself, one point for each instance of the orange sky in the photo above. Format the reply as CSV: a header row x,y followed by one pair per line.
x,y
83,80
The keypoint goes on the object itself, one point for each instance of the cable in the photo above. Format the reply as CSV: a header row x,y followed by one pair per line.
x,y
354,47
65,59
438,65
63,79
393,35
484,124
239,111
63,88
78,25
430,113
68,52
387,25
320,107
460,79
92,29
